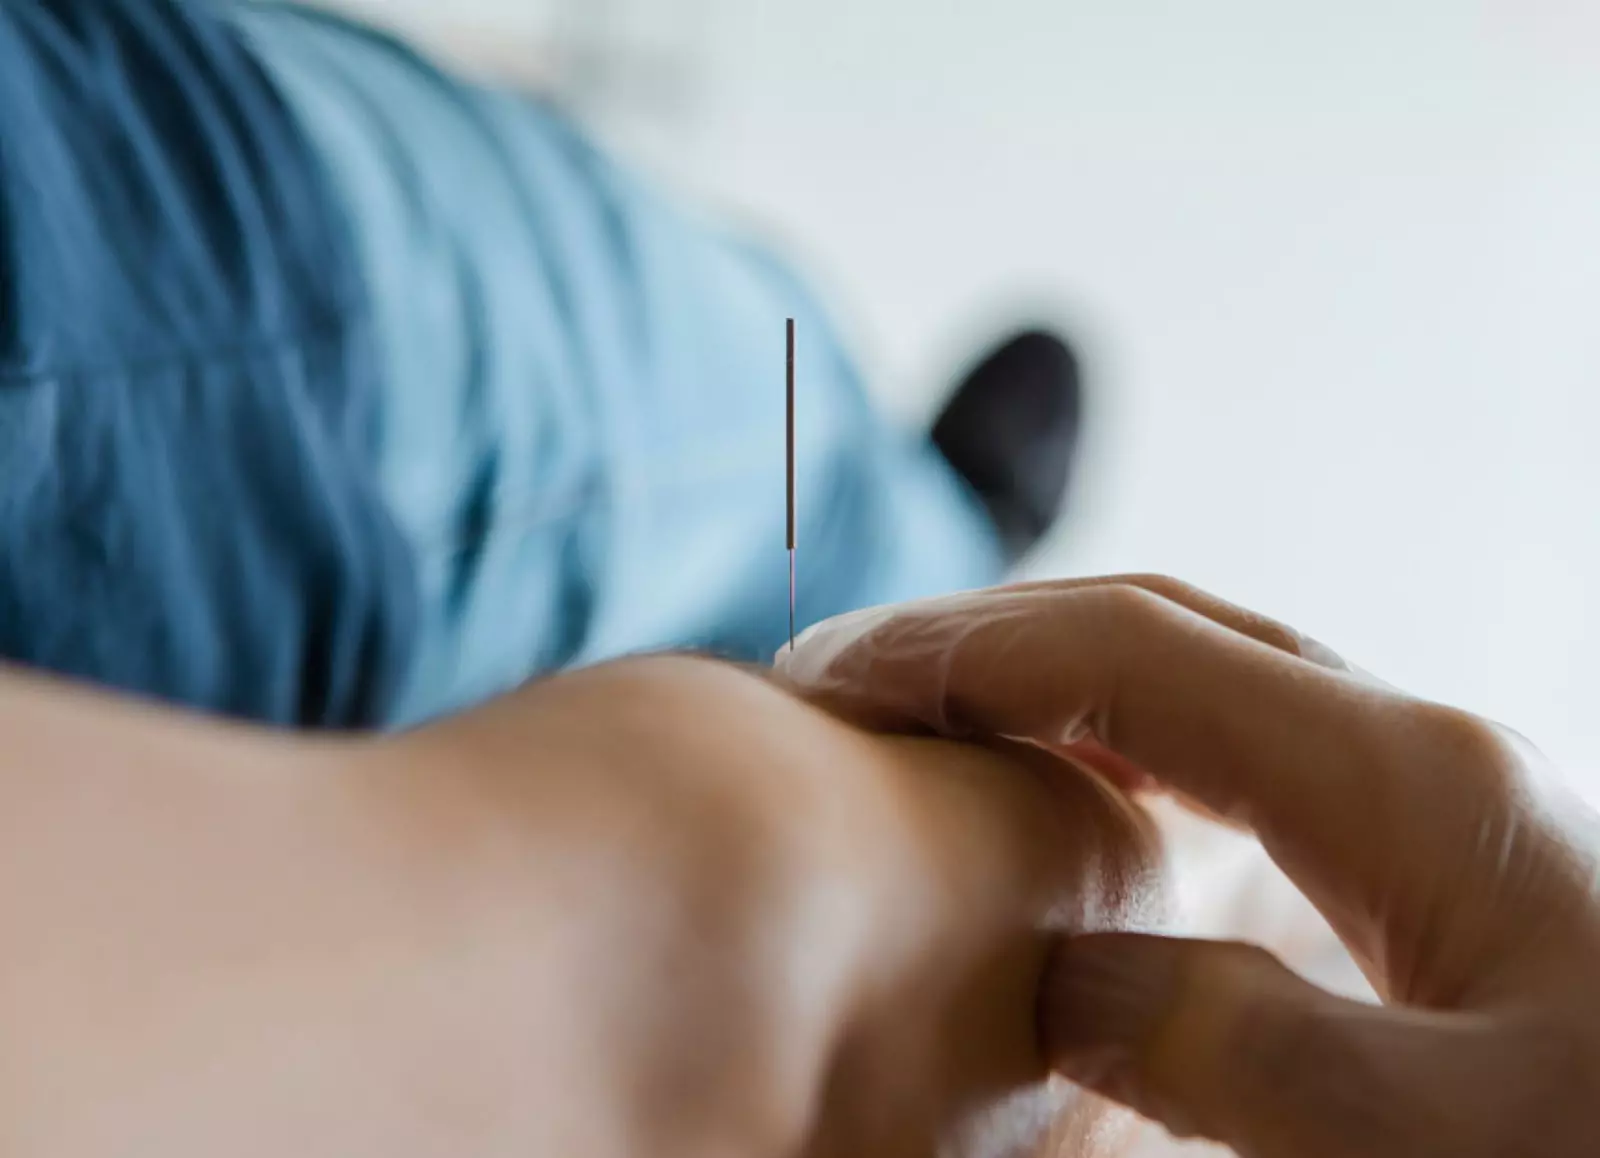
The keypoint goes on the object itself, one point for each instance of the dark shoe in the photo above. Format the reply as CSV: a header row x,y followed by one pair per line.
x,y
1011,431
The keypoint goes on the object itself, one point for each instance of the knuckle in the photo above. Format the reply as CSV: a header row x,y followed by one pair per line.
x,y
1471,746
1129,608
1489,783
1454,728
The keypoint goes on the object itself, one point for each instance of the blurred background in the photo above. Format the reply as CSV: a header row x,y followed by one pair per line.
x,y
1335,271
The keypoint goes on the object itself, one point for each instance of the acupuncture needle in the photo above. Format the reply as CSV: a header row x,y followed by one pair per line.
x,y
789,472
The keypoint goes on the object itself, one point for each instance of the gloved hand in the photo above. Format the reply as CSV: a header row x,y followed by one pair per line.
x,y
1456,871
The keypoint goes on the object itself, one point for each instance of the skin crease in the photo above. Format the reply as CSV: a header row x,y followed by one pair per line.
x,y
655,907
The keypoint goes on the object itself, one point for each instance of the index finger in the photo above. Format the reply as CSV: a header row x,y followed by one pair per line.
x,y
1299,753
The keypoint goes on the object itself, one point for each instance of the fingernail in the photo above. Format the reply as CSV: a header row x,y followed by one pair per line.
x,y
1324,656
1321,654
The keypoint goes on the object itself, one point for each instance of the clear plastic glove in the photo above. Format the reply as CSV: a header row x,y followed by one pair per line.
x,y
1459,876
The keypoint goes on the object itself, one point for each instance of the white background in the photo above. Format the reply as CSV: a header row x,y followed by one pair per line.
x,y
1336,269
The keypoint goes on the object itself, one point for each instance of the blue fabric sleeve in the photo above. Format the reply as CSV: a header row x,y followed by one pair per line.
x,y
582,425
188,388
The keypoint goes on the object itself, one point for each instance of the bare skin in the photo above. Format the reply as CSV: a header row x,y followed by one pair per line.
x,y
658,907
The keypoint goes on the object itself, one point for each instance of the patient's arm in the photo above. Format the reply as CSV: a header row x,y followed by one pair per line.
x,y
657,907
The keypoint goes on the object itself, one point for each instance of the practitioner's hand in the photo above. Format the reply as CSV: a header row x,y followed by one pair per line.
x,y
1462,880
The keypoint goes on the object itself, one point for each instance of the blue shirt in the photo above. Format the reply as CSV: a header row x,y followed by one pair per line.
x,y
187,382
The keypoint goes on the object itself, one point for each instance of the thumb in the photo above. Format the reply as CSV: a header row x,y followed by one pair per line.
x,y
1224,1042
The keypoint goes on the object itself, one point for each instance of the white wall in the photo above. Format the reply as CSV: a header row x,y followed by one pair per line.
x,y
1337,267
